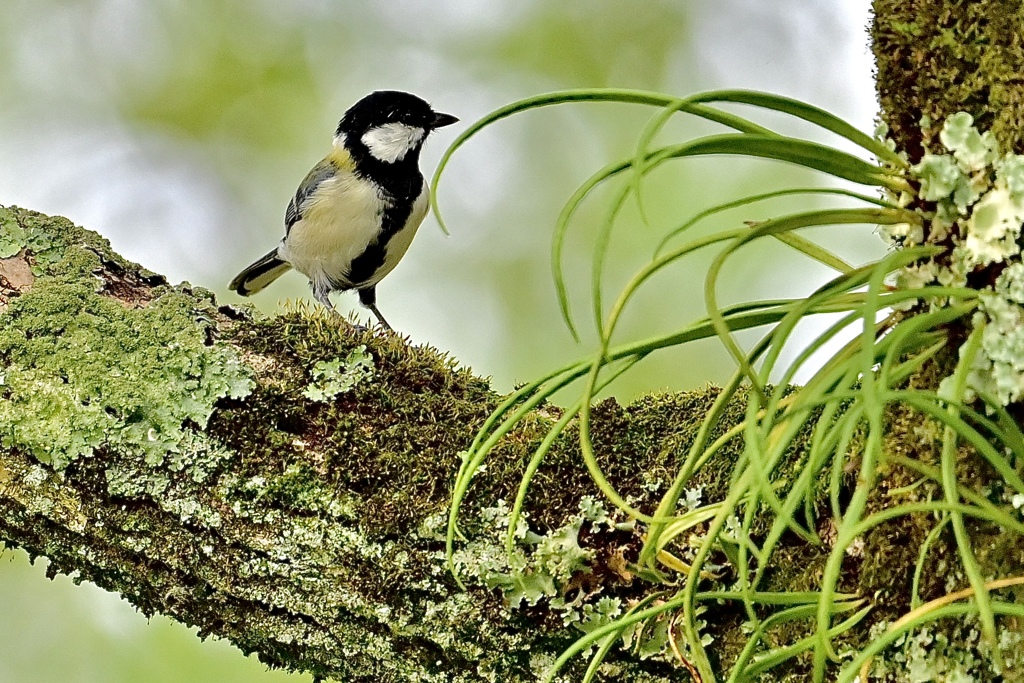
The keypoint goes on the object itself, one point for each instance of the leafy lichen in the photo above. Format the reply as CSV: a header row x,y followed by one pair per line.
x,y
339,375
80,371
961,655
15,237
973,199
541,565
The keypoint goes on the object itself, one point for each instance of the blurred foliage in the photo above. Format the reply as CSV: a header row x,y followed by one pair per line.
x,y
233,78
597,43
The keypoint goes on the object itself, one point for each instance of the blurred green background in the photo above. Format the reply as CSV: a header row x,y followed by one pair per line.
x,y
179,130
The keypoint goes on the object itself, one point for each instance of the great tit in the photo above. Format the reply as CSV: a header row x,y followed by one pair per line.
x,y
355,214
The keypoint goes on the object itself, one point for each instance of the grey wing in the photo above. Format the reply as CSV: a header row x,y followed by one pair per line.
x,y
321,172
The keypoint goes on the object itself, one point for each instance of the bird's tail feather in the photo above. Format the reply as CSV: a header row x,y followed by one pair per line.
x,y
259,275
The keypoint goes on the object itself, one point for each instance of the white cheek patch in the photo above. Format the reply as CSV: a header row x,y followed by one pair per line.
x,y
392,141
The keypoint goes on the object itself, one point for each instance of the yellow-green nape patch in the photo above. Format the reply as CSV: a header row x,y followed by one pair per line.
x,y
341,158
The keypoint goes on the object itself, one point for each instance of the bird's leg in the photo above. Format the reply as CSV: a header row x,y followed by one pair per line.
x,y
322,294
368,298
380,318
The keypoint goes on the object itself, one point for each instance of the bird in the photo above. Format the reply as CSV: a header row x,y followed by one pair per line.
x,y
356,212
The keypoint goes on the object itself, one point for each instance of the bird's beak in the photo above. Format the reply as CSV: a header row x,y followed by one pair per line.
x,y
441,120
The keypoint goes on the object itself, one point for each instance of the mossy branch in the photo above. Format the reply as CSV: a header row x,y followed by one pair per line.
x,y
216,466
283,482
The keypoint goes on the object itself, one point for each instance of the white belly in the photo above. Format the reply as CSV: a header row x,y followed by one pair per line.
x,y
339,221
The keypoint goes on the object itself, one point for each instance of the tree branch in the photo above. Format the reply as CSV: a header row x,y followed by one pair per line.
x,y
309,532
939,57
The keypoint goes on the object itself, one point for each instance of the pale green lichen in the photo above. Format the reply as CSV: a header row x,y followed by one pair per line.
x,y
592,616
972,185
978,213
14,238
337,376
546,567
994,226
78,370
973,150
940,177
81,371
960,655
300,488
197,456
539,567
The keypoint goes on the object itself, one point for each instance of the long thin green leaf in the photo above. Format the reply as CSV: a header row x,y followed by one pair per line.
x,y
772,227
809,113
873,407
609,640
771,597
603,631
948,458
775,657
809,154
815,251
782,654
643,148
753,199
538,457
804,153
600,254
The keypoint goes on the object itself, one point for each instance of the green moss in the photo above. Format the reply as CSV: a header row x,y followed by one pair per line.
x,y
937,58
55,245
299,488
389,441
81,371
333,511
